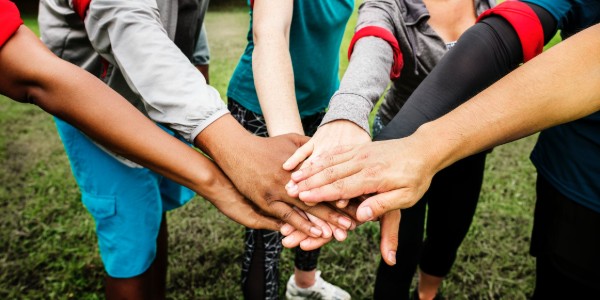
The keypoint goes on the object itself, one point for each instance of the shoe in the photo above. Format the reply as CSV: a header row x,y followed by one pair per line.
x,y
321,290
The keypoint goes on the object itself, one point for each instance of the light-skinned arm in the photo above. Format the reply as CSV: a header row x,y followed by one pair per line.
x,y
31,73
556,87
272,66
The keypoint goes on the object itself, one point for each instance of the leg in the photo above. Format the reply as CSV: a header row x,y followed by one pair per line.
x,y
393,282
305,267
454,196
260,273
566,244
149,285
131,229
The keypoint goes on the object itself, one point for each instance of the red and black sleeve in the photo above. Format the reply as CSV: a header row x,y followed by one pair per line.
x,y
10,20
496,45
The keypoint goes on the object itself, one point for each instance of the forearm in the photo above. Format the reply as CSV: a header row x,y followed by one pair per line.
x,y
558,86
221,139
484,54
272,67
364,82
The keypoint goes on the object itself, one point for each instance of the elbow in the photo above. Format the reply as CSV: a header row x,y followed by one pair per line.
x,y
265,33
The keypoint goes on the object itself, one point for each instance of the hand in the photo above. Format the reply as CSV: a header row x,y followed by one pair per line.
x,y
327,137
398,172
232,204
389,226
254,165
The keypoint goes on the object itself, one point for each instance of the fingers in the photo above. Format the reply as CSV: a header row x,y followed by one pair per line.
x,y
293,240
328,214
310,244
299,156
327,231
288,215
341,203
376,206
315,165
343,188
305,242
390,224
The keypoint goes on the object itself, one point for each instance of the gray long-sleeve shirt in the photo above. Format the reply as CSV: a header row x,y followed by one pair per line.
x,y
368,72
146,67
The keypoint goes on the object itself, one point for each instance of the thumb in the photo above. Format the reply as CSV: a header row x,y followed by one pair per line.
x,y
376,206
390,225
299,156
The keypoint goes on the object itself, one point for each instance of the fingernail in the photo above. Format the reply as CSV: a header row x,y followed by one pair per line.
x,y
316,231
344,222
304,194
340,235
365,214
326,233
285,242
296,175
291,186
286,230
392,257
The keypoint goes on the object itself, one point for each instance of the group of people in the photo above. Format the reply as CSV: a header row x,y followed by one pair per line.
x,y
453,96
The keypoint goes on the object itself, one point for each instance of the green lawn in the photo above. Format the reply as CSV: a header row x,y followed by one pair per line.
x,y
48,246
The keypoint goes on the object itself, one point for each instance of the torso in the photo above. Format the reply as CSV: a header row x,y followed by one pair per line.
x,y
450,18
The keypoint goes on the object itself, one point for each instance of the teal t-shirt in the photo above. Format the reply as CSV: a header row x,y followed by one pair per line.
x,y
316,34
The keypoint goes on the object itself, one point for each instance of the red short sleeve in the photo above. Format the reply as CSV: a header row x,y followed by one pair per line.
x,y
10,20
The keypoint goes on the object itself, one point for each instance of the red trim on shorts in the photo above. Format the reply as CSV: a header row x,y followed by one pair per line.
x,y
387,36
81,7
10,20
525,22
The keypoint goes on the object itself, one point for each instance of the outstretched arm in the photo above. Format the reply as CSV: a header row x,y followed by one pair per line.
x,y
558,86
31,73
272,66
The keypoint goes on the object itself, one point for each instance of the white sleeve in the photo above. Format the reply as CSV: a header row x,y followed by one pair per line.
x,y
130,35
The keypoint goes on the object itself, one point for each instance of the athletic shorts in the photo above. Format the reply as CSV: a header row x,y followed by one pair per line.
x,y
127,203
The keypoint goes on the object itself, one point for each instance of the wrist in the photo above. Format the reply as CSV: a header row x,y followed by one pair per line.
x,y
438,146
223,136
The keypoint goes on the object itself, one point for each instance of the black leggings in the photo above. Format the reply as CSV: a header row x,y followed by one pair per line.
x,y
566,243
450,203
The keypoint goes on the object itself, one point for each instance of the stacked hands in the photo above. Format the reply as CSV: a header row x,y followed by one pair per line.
x,y
341,180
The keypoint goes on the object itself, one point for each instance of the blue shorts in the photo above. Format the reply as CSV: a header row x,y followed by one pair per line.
x,y
127,203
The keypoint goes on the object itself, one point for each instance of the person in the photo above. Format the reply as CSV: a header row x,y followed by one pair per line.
x,y
404,40
201,56
555,261
142,50
29,72
282,38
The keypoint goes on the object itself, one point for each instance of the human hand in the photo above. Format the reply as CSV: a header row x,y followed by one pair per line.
x,y
389,225
225,197
396,172
254,166
327,137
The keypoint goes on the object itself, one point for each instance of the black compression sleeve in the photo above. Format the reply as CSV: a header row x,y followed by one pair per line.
x,y
484,54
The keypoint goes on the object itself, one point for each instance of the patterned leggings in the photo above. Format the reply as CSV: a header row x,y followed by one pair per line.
x,y
260,267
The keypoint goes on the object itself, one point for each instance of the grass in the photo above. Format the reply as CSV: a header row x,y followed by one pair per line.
x,y
48,246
